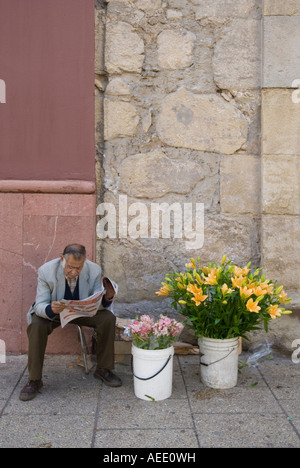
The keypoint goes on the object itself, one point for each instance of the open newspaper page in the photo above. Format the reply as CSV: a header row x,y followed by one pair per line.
x,y
84,308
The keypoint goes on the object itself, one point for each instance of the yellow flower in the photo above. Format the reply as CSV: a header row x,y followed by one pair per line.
x,y
283,297
193,288
268,287
273,311
245,291
237,281
164,290
241,271
258,291
198,293
199,297
212,277
190,265
226,290
252,306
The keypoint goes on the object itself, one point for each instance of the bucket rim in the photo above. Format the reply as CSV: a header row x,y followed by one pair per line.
x,y
201,339
169,349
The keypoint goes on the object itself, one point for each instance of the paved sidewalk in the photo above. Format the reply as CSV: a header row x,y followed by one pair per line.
x,y
76,410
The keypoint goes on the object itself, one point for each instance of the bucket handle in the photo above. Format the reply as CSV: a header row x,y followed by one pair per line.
x,y
158,372
221,359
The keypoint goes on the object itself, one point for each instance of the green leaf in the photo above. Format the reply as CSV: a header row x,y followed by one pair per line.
x,y
151,398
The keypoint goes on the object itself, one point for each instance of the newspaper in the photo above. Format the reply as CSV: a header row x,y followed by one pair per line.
x,y
85,308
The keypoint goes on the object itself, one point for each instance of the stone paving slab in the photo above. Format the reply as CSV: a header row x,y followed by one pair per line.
x,y
75,410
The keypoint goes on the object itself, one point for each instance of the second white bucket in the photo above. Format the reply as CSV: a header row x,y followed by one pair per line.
x,y
219,362
153,372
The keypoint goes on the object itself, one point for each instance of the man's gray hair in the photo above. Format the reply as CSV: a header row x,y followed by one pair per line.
x,y
77,250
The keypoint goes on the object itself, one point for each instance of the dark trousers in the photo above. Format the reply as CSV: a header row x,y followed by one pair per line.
x,y
39,330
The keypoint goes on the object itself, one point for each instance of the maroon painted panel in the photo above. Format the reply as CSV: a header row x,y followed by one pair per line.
x,y
47,64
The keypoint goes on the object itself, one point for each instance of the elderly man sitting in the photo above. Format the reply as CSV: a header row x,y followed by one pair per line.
x,y
71,276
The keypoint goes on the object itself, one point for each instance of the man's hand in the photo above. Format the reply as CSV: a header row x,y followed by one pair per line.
x,y
110,292
57,307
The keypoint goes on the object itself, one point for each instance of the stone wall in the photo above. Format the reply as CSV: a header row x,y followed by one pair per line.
x,y
178,121
280,156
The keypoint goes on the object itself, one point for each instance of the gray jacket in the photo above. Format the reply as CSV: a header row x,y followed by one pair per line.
x,y
51,285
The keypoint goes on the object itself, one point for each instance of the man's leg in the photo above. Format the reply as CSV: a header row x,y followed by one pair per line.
x,y
37,333
104,324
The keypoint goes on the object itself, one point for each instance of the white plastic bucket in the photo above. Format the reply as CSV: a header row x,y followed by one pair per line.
x,y
153,372
218,362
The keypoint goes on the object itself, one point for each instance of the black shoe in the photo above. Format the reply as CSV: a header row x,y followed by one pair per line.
x,y
108,377
31,390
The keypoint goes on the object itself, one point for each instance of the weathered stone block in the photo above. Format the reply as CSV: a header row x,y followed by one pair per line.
x,y
124,49
137,270
280,8
117,87
281,51
281,184
226,8
281,334
280,122
236,236
174,15
145,5
153,174
236,61
240,184
175,49
120,119
280,248
201,122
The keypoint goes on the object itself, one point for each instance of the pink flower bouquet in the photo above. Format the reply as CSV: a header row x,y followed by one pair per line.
x,y
148,334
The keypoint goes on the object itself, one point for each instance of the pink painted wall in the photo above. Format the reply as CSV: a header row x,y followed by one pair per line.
x,y
36,229
47,63
47,190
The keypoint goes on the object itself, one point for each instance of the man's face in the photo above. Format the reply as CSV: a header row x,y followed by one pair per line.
x,y
71,266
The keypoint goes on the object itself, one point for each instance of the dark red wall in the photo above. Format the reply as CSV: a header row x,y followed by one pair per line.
x,y
47,63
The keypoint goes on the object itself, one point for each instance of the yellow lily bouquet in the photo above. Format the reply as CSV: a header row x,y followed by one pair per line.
x,y
224,301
